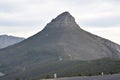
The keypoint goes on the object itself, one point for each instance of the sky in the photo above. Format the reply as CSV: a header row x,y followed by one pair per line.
x,y
25,18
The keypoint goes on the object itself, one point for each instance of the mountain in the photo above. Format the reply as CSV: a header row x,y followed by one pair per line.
x,y
62,47
6,40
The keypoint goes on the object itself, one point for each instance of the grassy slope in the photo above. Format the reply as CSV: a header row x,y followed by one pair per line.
x,y
69,69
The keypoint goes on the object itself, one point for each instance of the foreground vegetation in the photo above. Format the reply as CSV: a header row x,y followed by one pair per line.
x,y
70,69
85,68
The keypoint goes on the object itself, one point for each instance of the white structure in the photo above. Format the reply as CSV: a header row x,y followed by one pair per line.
x,y
60,58
70,56
55,75
102,73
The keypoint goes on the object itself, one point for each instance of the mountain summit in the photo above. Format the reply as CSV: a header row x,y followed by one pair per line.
x,y
64,18
60,41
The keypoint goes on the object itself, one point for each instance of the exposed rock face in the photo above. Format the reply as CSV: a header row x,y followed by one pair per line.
x,y
61,40
6,40
65,18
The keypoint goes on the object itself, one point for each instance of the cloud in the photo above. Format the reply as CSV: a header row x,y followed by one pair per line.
x,y
44,10
11,6
103,22
19,23
85,9
7,8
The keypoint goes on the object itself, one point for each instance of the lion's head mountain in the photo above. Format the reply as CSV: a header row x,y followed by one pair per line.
x,y
58,48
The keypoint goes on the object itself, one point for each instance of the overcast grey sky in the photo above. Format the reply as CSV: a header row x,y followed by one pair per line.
x,y
26,17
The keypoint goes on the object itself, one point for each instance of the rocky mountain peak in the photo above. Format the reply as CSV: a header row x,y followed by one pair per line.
x,y
65,17
64,20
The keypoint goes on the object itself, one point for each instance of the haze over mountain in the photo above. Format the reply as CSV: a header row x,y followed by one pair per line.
x,y
62,42
6,40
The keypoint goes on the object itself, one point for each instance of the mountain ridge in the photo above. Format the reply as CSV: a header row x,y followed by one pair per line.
x,y
61,41
8,40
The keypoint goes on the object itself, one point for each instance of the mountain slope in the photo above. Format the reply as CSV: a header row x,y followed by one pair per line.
x,y
6,40
62,40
